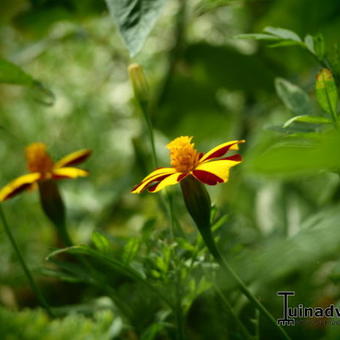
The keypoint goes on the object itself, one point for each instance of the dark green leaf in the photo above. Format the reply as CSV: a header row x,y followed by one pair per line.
x,y
135,19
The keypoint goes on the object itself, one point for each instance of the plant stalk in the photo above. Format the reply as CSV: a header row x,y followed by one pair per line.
x,y
25,268
211,245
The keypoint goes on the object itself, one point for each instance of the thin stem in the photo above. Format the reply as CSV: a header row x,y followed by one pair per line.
x,y
178,304
145,110
257,324
233,315
210,243
25,268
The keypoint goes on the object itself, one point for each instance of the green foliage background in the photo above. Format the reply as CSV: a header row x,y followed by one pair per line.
x,y
277,220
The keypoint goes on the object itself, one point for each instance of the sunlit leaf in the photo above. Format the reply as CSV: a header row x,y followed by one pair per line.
x,y
135,19
307,119
326,91
282,33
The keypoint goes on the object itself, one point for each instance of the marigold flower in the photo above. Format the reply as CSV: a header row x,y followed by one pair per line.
x,y
210,168
42,168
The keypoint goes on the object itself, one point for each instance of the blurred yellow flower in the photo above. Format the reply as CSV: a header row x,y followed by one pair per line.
x,y
209,168
42,168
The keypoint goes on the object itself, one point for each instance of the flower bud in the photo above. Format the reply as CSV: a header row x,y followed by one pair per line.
x,y
197,201
139,83
54,208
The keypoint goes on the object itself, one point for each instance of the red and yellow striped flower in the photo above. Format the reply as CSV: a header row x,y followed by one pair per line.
x,y
209,168
42,168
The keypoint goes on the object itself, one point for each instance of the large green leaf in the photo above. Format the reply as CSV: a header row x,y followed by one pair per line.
x,y
297,156
318,240
135,19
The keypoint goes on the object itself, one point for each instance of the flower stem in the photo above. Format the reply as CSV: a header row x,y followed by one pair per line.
x,y
25,268
234,317
211,245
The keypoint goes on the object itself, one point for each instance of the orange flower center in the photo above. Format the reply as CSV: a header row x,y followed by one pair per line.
x,y
184,157
38,159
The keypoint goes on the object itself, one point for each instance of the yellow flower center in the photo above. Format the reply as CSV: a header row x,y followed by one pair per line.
x,y
184,157
38,159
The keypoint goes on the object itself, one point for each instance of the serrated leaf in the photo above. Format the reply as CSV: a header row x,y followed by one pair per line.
x,y
294,98
135,19
307,119
282,33
326,92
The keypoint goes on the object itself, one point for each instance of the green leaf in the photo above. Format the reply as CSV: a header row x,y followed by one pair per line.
x,y
135,19
326,92
100,241
35,324
316,45
282,33
297,156
307,119
257,36
319,46
317,241
13,74
294,98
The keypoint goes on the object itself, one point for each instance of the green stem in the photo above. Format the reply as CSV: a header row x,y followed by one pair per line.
x,y
145,109
210,243
234,317
177,308
178,303
257,324
25,268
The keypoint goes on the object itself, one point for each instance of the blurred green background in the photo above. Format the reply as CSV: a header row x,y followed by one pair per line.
x,y
279,213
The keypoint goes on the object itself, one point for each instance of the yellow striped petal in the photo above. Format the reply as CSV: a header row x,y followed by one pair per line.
x,y
220,150
73,158
159,172
219,168
169,180
154,176
68,172
18,185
